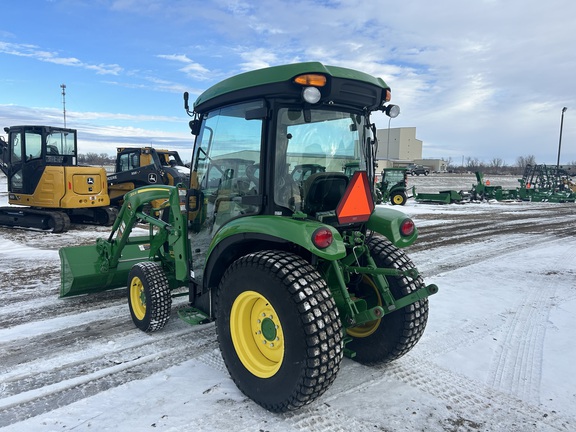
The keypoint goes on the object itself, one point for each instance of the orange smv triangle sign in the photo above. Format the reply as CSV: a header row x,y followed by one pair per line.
x,y
357,204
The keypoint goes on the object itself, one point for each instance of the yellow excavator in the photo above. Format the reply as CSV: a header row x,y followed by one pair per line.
x,y
47,190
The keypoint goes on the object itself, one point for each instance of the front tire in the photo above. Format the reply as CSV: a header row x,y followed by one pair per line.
x,y
396,333
278,329
149,296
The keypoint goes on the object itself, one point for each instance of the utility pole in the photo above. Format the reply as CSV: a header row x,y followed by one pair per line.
x,y
63,87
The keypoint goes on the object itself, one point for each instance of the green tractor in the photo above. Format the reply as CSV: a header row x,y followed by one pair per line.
x,y
392,185
296,271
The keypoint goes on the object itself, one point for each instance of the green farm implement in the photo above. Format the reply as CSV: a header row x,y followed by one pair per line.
x,y
285,252
442,197
539,183
547,183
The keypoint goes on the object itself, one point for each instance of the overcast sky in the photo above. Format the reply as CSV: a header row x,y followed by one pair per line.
x,y
478,79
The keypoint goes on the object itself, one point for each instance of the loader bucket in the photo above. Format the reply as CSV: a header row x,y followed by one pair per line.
x,y
82,271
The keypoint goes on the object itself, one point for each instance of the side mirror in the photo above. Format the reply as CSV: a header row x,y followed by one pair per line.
x,y
194,127
193,200
186,106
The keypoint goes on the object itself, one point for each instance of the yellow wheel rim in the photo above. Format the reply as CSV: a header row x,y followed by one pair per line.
x,y
138,298
257,334
398,199
367,329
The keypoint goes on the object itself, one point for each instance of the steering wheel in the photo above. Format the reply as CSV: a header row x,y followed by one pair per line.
x,y
253,173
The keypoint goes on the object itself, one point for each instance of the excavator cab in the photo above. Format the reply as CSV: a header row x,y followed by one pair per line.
x,y
30,149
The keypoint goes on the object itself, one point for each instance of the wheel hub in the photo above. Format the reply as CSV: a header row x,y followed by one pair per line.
x,y
138,298
268,329
257,334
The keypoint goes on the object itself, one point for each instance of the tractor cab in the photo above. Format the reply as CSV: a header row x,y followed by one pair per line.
x,y
295,145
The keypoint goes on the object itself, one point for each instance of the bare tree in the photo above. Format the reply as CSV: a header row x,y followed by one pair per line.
x,y
474,164
523,161
95,159
497,163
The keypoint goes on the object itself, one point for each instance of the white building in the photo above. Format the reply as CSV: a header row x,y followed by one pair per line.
x,y
398,147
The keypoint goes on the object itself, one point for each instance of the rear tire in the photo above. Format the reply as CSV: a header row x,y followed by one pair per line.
x,y
398,198
149,296
396,333
279,330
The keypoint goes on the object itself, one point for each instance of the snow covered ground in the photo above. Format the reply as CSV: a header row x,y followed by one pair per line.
x,y
497,354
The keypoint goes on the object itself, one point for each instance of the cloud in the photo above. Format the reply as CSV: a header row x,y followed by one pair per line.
x,y
483,78
34,52
191,68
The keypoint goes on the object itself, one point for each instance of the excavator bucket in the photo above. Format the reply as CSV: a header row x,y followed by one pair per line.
x,y
83,272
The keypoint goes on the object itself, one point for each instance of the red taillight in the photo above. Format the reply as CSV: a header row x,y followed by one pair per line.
x,y
322,238
407,227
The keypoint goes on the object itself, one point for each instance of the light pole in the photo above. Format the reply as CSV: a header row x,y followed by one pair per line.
x,y
560,140
63,87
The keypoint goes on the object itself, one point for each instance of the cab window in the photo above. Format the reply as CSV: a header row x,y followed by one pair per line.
x,y
33,145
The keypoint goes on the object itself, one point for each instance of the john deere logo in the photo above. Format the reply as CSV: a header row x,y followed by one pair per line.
x,y
90,180
152,178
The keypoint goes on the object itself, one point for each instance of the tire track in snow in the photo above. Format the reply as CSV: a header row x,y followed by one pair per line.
x,y
477,403
47,307
517,364
62,381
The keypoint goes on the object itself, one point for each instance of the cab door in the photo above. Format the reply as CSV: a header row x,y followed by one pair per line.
x,y
33,164
15,162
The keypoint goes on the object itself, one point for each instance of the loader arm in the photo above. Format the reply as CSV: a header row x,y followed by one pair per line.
x,y
105,266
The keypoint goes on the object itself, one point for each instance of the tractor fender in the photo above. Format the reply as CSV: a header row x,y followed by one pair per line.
x,y
252,233
284,230
387,221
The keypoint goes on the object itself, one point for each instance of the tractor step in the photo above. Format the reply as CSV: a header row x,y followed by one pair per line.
x,y
193,316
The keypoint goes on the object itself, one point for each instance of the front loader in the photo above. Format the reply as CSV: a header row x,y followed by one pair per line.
x,y
296,271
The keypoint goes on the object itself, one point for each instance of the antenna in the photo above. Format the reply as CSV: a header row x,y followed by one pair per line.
x,y
63,87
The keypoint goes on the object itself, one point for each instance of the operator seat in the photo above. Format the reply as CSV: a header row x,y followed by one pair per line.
x,y
322,192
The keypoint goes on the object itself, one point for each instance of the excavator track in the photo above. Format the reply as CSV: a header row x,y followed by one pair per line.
x,y
43,220
55,221
104,216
